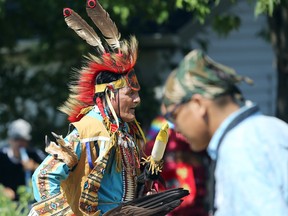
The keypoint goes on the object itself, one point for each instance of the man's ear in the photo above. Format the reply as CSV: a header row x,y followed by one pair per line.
x,y
199,104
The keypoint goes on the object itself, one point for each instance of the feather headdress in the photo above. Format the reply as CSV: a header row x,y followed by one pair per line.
x,y
120,57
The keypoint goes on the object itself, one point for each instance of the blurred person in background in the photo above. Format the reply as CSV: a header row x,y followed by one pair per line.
x,y
249,150
17,158
182,168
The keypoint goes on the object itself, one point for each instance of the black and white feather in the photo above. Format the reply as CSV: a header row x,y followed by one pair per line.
x,y
158,204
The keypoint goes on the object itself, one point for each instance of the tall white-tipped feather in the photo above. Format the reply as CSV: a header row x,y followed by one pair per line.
x,y
104,23
84,30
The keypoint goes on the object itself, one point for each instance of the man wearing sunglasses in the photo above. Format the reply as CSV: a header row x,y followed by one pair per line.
x,y
249,150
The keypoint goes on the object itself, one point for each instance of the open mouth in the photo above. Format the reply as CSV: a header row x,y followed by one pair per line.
x,y
132,110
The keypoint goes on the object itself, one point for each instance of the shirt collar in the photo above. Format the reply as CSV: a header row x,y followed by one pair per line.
x,y
214,142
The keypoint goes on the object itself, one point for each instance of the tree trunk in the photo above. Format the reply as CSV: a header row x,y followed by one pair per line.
x,y
278,24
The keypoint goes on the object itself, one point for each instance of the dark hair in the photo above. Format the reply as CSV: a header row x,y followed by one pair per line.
x,y
105,77
234,93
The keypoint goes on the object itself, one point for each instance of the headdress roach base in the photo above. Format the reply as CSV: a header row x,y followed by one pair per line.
x,y
120,57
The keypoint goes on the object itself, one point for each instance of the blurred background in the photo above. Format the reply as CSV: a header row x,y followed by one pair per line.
x,y
38,52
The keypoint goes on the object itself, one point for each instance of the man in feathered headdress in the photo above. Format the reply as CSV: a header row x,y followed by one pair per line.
x,y
95,168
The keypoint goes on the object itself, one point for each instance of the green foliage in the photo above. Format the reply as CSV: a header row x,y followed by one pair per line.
x,y
12,208
160,11
265,6
123,12
223,24
29,92
1,8
200,8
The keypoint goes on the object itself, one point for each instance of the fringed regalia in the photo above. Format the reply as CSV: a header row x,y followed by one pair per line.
x,y
95,168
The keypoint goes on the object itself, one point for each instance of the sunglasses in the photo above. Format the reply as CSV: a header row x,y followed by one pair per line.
x,y
170,116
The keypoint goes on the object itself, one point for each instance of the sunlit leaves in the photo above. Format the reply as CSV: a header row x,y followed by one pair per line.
x,y
265,6
200,8
123,12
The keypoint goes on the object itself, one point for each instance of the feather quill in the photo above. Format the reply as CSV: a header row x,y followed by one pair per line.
x,y
82,28
104,23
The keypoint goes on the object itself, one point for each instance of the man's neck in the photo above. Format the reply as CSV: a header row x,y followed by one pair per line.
x,y
219,114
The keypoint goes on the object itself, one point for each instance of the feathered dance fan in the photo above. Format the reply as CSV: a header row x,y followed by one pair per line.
x,y
158,204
